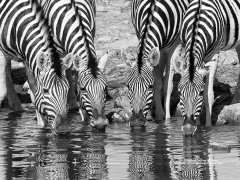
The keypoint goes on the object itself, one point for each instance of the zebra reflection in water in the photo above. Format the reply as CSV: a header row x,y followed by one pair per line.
x,y
91,160
195,161
140,159
51,160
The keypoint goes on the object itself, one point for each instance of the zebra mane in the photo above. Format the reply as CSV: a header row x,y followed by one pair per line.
x,y
194,33
143,37
55,57
92,59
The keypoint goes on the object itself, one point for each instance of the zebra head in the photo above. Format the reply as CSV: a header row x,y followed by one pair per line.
x,y
191,91
91,92
50,93
140,88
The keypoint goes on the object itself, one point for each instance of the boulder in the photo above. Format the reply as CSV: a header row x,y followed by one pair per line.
x,y
123,102
229,114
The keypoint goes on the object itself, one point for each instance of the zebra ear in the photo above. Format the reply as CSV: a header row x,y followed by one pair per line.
x,y
79,64
43,63
67,61
102,62
154,57
177,61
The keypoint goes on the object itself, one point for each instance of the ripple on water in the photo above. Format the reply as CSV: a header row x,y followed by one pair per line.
x,y
158,151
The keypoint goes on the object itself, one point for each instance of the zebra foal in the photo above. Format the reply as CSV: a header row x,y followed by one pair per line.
x,y
208,28
25,37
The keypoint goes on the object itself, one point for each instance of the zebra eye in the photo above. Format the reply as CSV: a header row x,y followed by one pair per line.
x,y
201,93
45,90
150,86
82,88
179,92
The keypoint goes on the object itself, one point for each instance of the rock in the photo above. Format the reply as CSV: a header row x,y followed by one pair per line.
x,y
122,91
225,60
123,102
117,82
229,114
117,118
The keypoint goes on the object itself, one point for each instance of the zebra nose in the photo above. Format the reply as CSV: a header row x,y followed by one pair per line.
x,y
189,126
62,125
137,119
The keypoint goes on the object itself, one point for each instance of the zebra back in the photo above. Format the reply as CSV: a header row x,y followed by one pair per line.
x,y
157,22
21,24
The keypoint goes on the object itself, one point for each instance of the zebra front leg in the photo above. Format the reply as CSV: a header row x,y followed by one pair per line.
x,y
209,93
168,86
72,99
3,86
158,92
236,97
13,100
168,78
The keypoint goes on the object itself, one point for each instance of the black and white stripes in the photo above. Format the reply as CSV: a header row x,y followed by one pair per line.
x,y
208,28
73,27
25,36
157,24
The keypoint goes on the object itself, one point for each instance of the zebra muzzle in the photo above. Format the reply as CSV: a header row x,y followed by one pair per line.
x,y
62,125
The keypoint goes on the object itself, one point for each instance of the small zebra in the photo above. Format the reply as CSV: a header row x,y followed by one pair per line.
x,y
25,37
157,24
73,28
208,28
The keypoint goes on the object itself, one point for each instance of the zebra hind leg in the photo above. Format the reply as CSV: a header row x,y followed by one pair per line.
x,y
13,100
168,79
236,97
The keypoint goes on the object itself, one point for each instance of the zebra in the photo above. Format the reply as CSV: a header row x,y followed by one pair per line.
x,y
72,24
208,28
25,37
157,24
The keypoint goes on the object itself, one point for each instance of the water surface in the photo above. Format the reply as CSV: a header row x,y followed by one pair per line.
x,y
157,152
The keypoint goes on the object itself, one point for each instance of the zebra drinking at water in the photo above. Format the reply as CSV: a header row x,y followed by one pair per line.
x,y
73,27
25,37
208,28
157,24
